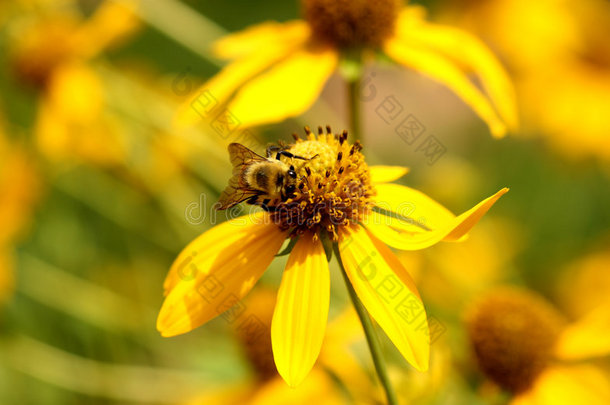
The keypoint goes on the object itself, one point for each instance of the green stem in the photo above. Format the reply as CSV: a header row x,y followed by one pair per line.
x,y
371,335
353,89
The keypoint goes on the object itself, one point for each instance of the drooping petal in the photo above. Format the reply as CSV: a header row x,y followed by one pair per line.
x,y
410,203
443,70
574,384
380,223
216,270
388,293
210,100
386,174
454,229
253,39
301,311
588,337
287,89
466,51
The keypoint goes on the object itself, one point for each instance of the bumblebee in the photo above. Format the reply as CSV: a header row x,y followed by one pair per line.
x,y
259,180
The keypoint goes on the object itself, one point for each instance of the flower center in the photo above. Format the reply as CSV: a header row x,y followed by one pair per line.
x,y
351,23
41,50
333,186
513,332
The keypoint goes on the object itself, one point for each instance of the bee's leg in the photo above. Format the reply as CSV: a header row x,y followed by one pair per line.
x,y
271,149
252,200
266,207
290,155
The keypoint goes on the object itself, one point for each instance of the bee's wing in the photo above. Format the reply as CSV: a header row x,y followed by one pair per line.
x,y
234,193
241,156
237,190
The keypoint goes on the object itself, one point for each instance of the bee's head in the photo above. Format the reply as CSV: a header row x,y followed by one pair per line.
x,y
292,173
290,189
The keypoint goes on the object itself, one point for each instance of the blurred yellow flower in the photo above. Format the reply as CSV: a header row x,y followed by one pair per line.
x,y
336,361
335,199
524,345
20,185
559,55
52,54
585,284
584,293
449,274
279,69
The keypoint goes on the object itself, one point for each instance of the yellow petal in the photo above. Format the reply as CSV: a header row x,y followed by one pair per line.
x,y
374,220
209,101
468,52
386,174
410,203
301,311
453,229
257,37
388,293
319,388
7,275
288,89
76,93
443,70
112,22
589,337
216,270
575,384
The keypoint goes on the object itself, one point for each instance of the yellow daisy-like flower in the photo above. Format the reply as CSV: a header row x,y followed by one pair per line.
x,y
336,361
339,197
559,55
51,54
279,69
525,346
20,185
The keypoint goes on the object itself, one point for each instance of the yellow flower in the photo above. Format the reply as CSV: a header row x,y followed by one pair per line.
x,y
583,292
585,283
338,198
279,69
559,56
51,54
336,361
524,345
451,273
20,187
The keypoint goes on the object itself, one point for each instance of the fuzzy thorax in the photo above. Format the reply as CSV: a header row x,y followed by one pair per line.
x,y
334,187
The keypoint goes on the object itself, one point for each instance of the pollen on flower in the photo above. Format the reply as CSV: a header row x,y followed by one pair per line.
x,y
512,332
351,23
333,188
